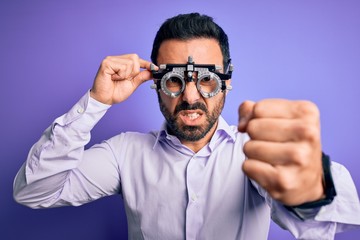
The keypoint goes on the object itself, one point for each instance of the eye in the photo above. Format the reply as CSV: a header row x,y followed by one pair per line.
x,y
174,83
174,80
206,79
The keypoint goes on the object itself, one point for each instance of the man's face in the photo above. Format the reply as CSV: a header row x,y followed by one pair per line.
x,y
190,116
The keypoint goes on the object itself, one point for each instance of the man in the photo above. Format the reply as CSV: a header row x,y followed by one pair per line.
x,y
198,177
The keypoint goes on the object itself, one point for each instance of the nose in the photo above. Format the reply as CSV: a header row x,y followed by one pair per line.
x,y
191,94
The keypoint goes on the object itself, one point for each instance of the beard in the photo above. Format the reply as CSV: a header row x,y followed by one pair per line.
x,y
191,133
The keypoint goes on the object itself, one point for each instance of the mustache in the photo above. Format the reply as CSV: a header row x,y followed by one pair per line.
x,y
186,106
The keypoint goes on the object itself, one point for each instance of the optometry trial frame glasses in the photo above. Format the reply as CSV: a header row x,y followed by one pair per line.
x,y
172,78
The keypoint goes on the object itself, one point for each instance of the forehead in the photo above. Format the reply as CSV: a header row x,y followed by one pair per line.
x,y
203,51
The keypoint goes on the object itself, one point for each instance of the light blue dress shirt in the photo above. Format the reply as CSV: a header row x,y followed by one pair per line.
x,y
169,191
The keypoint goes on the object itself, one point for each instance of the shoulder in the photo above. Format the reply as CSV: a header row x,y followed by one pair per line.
x,y
128,138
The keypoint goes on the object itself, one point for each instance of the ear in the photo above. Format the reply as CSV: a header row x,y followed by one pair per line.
x,y
228,86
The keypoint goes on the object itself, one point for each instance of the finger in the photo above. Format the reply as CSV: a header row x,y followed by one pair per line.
x,y
129,69
118,68
283,130
282,108
137,76
245,114
263,173
300,154
142,77
128,66
146,64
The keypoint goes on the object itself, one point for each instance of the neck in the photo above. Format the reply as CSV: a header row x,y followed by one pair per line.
x,y
199,144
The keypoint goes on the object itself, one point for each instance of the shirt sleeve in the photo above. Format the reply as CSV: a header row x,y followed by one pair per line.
x,y
342,214
58,171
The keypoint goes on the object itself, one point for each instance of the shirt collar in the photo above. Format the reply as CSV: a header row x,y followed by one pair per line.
x,y
222,130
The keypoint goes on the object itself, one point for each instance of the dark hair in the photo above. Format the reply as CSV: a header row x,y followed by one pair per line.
x,y
191,26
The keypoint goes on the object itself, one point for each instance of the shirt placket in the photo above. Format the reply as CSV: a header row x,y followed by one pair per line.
x,y
194,214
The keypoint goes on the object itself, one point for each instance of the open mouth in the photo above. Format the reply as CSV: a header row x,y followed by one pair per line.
x,y
191,117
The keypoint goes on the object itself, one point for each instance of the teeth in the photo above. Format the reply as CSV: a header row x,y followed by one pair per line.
x,y
193,116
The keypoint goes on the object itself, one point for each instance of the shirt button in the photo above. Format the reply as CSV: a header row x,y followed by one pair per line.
x,y
80,110
193,197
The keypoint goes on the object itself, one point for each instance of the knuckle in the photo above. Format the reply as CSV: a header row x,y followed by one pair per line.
x,y
307,108
134,57
122,70
287,185
252,128
259,108
135,70
300,156
107,58
306,130
106,61
310,133
286,182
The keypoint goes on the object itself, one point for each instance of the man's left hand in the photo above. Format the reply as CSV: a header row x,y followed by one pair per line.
x,y
284,151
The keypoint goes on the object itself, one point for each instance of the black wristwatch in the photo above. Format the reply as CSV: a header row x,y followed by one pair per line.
x,y
330,191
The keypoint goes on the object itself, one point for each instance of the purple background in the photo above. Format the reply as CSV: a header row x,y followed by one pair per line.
x,y
50,52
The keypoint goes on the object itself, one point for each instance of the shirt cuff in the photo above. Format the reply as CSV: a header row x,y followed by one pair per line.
x,y
84,115
346,206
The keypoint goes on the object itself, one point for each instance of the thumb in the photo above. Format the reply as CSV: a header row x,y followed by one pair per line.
x,y
246,110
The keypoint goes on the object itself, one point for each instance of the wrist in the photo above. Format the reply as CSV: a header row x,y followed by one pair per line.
x,y
329,191
328,185
96,97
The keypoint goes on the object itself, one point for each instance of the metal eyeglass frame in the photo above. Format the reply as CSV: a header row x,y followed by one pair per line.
x,y
167,71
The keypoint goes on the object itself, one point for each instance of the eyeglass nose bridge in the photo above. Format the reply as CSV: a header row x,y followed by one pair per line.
x,y
189,76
